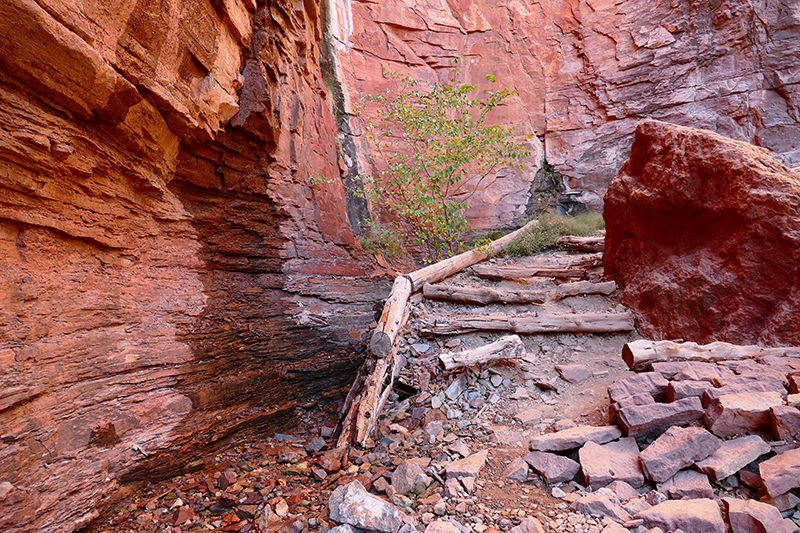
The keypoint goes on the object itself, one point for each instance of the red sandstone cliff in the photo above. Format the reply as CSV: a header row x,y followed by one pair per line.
x,y
586,72
166,267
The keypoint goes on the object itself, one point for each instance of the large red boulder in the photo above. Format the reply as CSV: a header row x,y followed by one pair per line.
x,y
703,238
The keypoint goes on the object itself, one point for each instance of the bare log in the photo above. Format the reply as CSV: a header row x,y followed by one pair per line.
x,y
583,244
481,295
640,355
584,287
448,267
504,348
527,324
391,321
551,266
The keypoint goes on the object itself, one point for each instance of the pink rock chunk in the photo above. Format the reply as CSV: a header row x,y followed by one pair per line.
x,y
553,468
689,515
746,516
598,504
736,414
570,439
732,456
651,383
767,385
648,420
602,464
630,401
675,450
470,466
678,390
781,473
786,423
575,373
687,485
517,470
697,371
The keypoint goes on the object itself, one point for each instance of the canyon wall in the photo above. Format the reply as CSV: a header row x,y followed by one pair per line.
x,y
169,277
586,72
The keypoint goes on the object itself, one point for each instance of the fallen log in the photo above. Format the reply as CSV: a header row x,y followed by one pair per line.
x,y
583,287
503,349
583,244
448,267
482,295
392,318
542,323
640,355
553,266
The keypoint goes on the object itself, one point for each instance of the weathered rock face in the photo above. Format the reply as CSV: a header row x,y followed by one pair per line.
x,y
166,269
586,72
702,238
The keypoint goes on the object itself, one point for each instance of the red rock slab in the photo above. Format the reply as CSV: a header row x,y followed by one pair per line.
x,y
697,371
651,383
689,515
630,401
785,423
687,485
732,456
569,439
553,468
767,385
678,390
781,473
747,516
649,420
615,461
668,368
675,450
737,414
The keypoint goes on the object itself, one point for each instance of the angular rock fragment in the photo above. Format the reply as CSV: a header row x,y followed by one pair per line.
x,y
574,373
737,414
675,450
351,504
529,525
697,371
785,423
623,491
747,516
732,456
649,420
553,468
750,386
409,477
442,526
689,515
781,473
678,390
470,466
598,504
630,401
602,464
668,369
570,439
687,485
517,470
651,383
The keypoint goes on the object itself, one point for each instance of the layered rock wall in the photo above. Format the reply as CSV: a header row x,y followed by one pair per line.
x,y
169,278
586,71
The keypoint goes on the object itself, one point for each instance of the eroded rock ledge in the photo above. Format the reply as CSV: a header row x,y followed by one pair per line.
x,y
169,277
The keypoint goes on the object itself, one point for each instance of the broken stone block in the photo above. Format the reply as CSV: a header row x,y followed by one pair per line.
x,y
470,466
668,368
623,491
529,525
653,419
602,464
598,504
793,400
749,386
732,456
528,417
409,477
697,371
785,423
746,516
689,515
639,399
517,470
781,473
651,383
442,526
678,390
687,485
575,373
352,504
736,414
794,383
553,468
675,450
569,439
455,389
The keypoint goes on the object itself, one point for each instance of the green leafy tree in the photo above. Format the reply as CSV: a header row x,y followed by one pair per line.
x,y
431,137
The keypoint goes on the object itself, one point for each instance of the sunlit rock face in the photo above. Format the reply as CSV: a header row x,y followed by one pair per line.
x,y
702,238
169,278
586,72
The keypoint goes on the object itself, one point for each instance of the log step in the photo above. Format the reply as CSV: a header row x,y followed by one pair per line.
x,y
528,324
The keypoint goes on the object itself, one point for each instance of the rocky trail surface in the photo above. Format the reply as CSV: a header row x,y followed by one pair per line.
x,y
521,445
